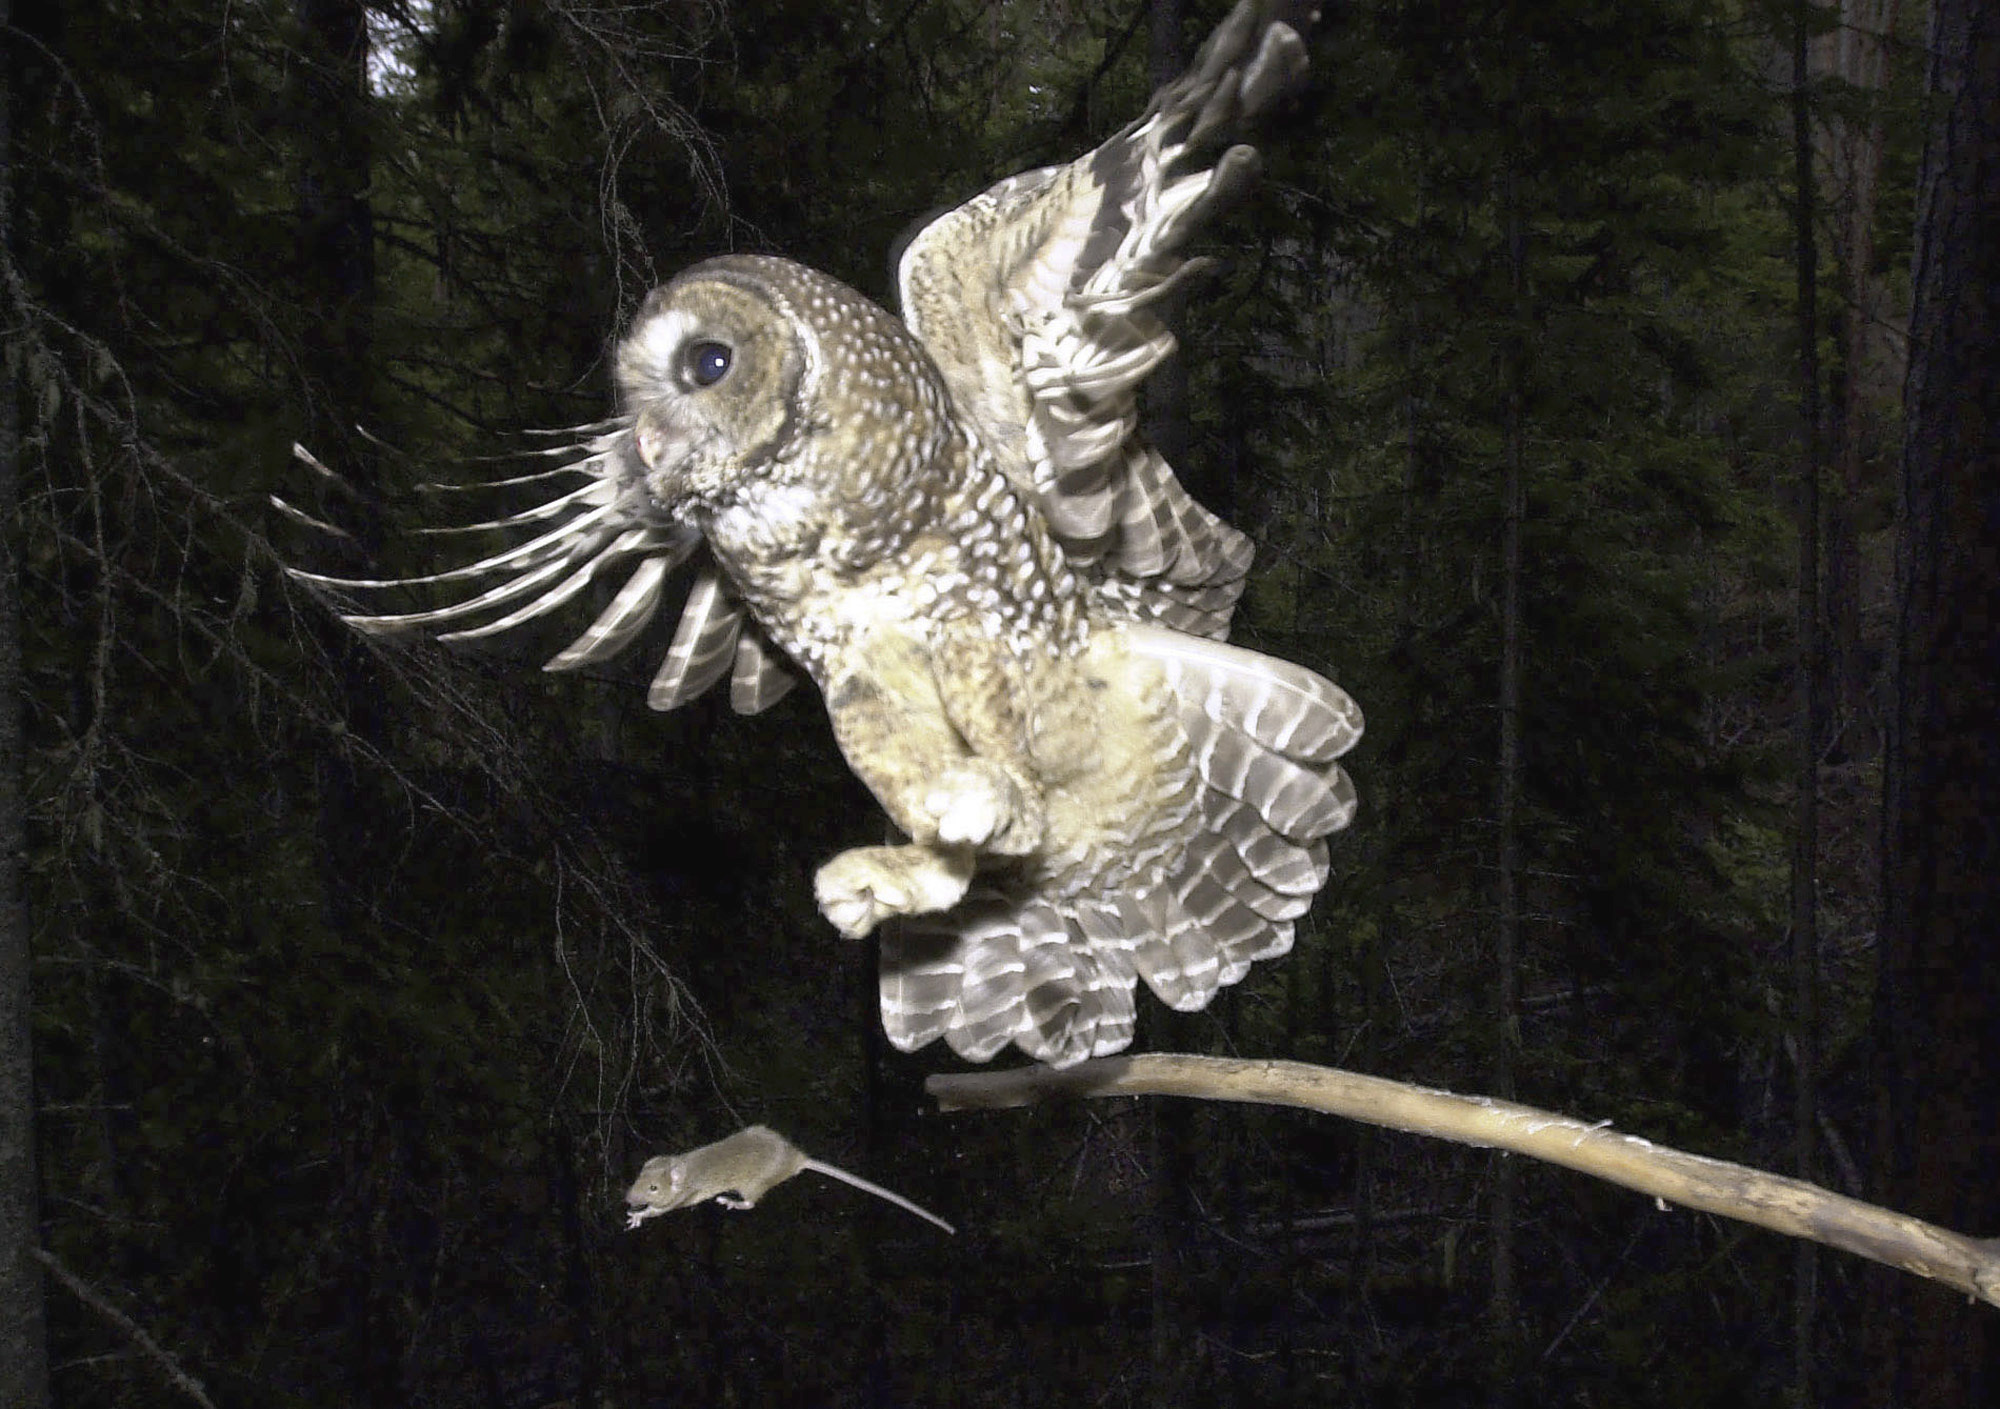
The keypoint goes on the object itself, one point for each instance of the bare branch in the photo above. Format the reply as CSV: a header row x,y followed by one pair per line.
x,y
180,1379
1789,1206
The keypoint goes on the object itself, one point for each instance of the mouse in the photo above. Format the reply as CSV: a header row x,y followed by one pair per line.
x,y
736,1172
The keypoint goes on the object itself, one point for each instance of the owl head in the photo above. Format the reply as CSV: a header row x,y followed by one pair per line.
x,y
772,403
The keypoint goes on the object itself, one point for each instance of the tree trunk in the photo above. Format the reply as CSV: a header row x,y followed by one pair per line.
x,y
1502,1306
1173,1123
1806,730
336,227
1854,164
1937,1014
329,103
24,1369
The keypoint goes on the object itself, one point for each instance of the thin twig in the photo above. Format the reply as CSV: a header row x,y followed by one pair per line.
x,y
180,1379
1789,1206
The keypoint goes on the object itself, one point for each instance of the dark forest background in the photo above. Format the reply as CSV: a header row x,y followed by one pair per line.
x,y
1557,367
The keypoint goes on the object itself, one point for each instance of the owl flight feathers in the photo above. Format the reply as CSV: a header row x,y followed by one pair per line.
x,y
1011,607
1038,300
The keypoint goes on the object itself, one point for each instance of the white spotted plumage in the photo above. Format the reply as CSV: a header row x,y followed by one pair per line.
x,y
1013,610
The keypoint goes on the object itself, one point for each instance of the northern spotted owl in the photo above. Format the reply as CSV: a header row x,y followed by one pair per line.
x,y
952,525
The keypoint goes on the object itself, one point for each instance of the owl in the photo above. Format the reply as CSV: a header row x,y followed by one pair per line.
x,y
1015,615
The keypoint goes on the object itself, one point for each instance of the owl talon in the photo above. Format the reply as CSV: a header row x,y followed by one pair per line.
x,y
967,817
981,806
855,914
859,889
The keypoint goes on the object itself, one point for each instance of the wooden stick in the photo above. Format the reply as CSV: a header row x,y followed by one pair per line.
x,y
1789,1206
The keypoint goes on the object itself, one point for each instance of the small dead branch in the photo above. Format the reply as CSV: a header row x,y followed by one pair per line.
x,y
168,1366
1788,1206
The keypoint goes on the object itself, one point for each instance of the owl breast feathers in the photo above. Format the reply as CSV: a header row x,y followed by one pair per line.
x,y
1014,612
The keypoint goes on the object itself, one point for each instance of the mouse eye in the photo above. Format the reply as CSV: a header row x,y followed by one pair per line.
x,y
707,363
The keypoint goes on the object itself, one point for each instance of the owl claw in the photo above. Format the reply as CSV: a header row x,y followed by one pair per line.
x,y
967,817
859,889
979,805
854,915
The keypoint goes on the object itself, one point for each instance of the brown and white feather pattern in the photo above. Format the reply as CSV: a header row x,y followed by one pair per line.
x,y
602,525
1205,877
1011,608
1039,301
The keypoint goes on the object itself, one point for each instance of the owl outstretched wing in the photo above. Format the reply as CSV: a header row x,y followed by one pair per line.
x,y
587,533
1039,300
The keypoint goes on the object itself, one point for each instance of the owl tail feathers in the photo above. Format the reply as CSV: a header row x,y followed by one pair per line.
x,y
1055,976
1263,737
997,969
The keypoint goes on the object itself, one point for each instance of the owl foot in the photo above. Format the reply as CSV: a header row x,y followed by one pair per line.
x,y
859,889
977,804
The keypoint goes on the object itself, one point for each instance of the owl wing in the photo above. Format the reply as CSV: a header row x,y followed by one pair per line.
x,y
1216,852
1039,301
582,535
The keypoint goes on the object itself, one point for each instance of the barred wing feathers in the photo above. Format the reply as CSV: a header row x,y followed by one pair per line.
x,y
1038,300
1051,964
596,532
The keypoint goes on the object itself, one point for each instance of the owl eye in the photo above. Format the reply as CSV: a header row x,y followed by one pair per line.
x,y
707,363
